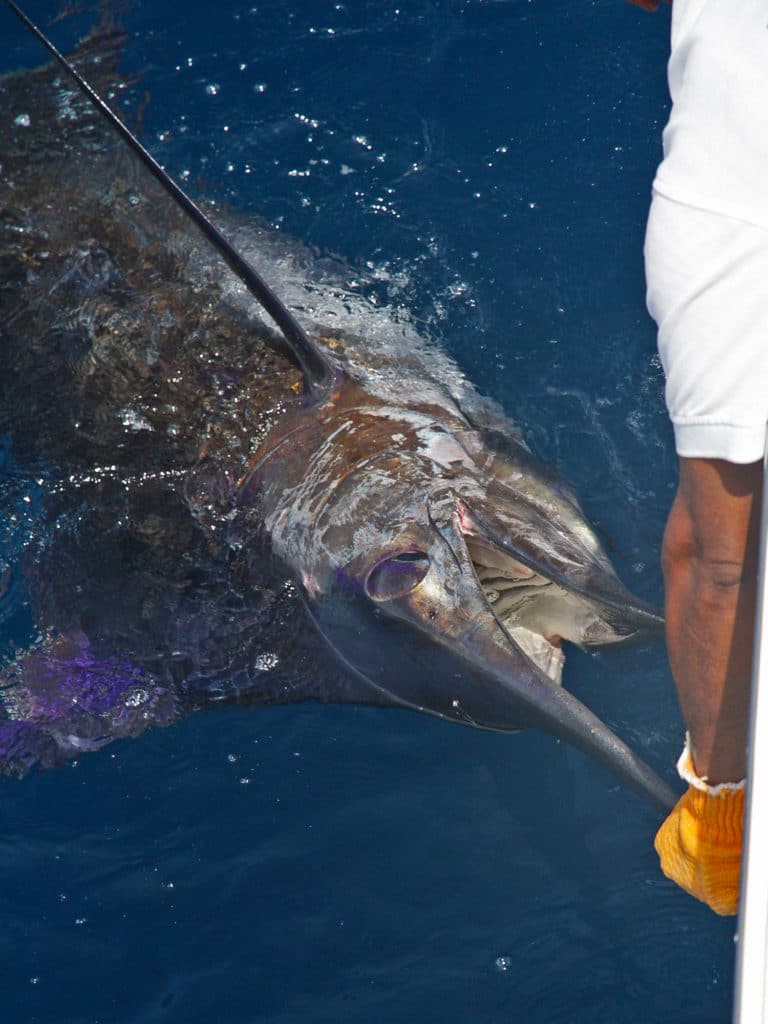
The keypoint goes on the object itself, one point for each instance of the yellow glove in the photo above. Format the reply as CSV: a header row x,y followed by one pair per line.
x,y
699,845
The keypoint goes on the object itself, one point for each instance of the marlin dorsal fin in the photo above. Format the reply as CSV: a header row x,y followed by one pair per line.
x,y
317,369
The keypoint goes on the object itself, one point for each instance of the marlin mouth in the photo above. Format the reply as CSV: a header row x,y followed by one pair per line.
x,y
537,612
532,610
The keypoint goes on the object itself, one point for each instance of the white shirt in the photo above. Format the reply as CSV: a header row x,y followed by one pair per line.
x,y
716,141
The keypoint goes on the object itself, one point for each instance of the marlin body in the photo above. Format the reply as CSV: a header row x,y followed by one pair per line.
x,y
193,501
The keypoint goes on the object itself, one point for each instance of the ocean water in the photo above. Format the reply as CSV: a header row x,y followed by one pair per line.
x,y
488,165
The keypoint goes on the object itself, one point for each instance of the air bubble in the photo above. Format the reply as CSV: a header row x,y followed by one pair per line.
x,y
266,662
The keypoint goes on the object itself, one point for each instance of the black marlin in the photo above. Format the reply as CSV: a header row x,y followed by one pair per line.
x,y
205,484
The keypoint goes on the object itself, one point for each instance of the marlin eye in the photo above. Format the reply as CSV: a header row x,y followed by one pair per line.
x,y
397,575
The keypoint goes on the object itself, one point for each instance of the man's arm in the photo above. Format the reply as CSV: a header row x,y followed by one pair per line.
x,y
710,560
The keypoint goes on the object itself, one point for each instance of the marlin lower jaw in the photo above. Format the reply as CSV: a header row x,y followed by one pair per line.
x,y
515,651
506,689
439,648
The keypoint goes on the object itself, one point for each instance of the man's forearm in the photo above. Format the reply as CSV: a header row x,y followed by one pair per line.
x,y
710,554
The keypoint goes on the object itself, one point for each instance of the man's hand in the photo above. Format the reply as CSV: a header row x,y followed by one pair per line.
x,y
699,846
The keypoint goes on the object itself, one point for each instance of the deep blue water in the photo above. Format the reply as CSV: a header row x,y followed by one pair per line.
x,y
489,165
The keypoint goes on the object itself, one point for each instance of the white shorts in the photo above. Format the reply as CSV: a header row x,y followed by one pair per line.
x,y
707,278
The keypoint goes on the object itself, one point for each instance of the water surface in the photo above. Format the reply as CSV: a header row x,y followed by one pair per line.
x,y
487,165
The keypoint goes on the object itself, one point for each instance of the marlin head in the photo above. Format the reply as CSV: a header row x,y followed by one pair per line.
x,y
446,568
